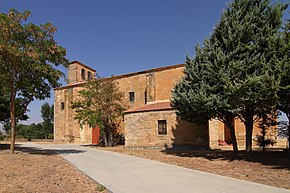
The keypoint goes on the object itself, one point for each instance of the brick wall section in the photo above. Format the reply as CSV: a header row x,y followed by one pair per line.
x,y
141,130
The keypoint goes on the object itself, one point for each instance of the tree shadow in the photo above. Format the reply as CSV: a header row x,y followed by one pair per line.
x,y
190,134
192,140
276,159
41,151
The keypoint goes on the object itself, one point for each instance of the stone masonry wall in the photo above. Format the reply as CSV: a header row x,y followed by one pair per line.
x,y
67,130
141,130
165,82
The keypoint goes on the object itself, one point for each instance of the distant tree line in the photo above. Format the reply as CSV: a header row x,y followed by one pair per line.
x,y
43,130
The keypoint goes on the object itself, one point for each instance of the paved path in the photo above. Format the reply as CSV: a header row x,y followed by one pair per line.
x,y
127,174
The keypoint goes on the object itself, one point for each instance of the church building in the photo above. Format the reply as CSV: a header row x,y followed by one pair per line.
x,y
149,121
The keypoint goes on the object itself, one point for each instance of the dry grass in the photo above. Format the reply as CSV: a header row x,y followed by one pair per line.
x,y
32,171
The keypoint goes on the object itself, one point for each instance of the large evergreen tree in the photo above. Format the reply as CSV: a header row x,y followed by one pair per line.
x,y
27,53
243,64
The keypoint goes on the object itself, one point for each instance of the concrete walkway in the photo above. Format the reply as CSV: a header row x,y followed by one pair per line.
x,y
127,174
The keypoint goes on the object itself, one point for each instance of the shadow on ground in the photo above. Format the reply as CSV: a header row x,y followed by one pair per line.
x,y
34,150
274,158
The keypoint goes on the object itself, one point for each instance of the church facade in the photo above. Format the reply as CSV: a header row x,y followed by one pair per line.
x,y
150,121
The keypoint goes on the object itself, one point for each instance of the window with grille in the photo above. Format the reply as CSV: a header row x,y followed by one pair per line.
x,y
162,127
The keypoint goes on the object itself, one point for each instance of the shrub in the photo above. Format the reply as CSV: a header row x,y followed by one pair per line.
x,y
100,188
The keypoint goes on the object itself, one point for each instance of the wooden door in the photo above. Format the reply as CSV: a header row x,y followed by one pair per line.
x,y
95,135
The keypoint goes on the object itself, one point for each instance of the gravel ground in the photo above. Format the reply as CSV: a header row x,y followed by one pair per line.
x,y
40,172
270,168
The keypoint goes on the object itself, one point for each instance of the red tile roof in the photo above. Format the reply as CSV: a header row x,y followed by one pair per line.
x,y
151,107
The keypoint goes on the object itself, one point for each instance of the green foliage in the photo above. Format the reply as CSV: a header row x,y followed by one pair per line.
x,y
47,114
100,188
100,104
33,131
2,138
5,106
27,55
237,70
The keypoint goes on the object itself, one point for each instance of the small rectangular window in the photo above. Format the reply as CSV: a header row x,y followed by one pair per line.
x,y
89,76
83,74
162,127
131,96
62,106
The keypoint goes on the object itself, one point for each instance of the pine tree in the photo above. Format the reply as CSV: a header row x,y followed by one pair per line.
x,y
243,67
198,98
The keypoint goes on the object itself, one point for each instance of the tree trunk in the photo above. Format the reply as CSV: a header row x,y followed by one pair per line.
x,y
249,132
110,138
234,140
12,117
105,139
230,124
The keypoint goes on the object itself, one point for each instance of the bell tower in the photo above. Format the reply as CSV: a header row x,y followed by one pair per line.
x,y
79,72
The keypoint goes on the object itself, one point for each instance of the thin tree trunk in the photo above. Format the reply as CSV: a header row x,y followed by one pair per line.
x,y
249,132
234,140
12,117
105,139
229,123
110,138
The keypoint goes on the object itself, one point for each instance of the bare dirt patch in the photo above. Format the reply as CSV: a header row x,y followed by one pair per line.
x,y
34,171
270,168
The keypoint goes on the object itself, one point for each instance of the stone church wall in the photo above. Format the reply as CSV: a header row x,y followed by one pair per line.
x,y
141,130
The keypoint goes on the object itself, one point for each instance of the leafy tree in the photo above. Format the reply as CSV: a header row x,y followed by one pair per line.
x,y
27,53
243,63
47,113
100,104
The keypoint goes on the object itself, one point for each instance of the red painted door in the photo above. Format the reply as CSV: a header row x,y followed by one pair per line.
x,y
95,135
